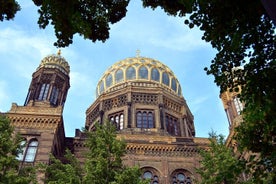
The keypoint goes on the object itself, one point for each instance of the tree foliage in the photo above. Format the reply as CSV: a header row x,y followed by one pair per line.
x,y
104,159
8,9
9,149
219,164
103,162
89,18
58,172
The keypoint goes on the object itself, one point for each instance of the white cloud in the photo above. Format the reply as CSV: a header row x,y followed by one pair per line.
x,y
16,40
28,48
157,29
182,42
81,84
197,103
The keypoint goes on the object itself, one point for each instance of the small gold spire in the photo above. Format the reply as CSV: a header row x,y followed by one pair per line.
x,y
59,52
138,53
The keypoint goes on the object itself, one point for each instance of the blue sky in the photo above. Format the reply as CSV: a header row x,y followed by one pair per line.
x,y
23,45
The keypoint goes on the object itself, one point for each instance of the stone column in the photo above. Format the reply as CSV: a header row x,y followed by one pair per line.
x,y
129,119
182,128
101,116
186,126
161,116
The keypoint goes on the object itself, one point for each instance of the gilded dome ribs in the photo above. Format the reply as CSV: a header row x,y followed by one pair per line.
x,y
144,70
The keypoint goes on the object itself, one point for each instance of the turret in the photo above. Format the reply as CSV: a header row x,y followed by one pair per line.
x,y
50,82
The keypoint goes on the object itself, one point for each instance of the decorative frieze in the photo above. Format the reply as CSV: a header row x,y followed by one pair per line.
x,y
94,114
144,98
115,102
171,105
35,122
162,150
42,108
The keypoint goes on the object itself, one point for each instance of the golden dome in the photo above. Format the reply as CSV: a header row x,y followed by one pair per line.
x,y
55,61
140,69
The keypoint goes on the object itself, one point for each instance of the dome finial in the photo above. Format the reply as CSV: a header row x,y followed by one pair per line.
x,y
138,53
59,52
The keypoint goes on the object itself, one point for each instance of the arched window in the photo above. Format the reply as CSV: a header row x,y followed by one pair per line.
x,y
150,120
165,78
180,177
29,151
155,75
143,73
145,119
151,175
101,87
172,125
179,90
119,76
130,73
118,120
54,95
43,91
174,84
121,121
139,119
108,80
20,156
238,105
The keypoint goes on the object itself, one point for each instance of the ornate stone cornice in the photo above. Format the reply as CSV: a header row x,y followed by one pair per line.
x,y
39,108
162,150
20,121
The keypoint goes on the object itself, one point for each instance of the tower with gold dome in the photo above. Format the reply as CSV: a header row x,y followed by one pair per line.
x,y
40,120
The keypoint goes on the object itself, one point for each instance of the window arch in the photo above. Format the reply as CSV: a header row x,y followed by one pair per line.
x,y
151,175
44,91
174,86
119,76
20,155
143,73
101,87
165,78
118,120
54,95
181,177
130,73
145,119
172,125
179,89
31,151
28,151
108,81
155,75
238,105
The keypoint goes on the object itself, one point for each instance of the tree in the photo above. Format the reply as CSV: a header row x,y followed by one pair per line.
x,y
8,9
9,149
103,162
58,172
219,164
